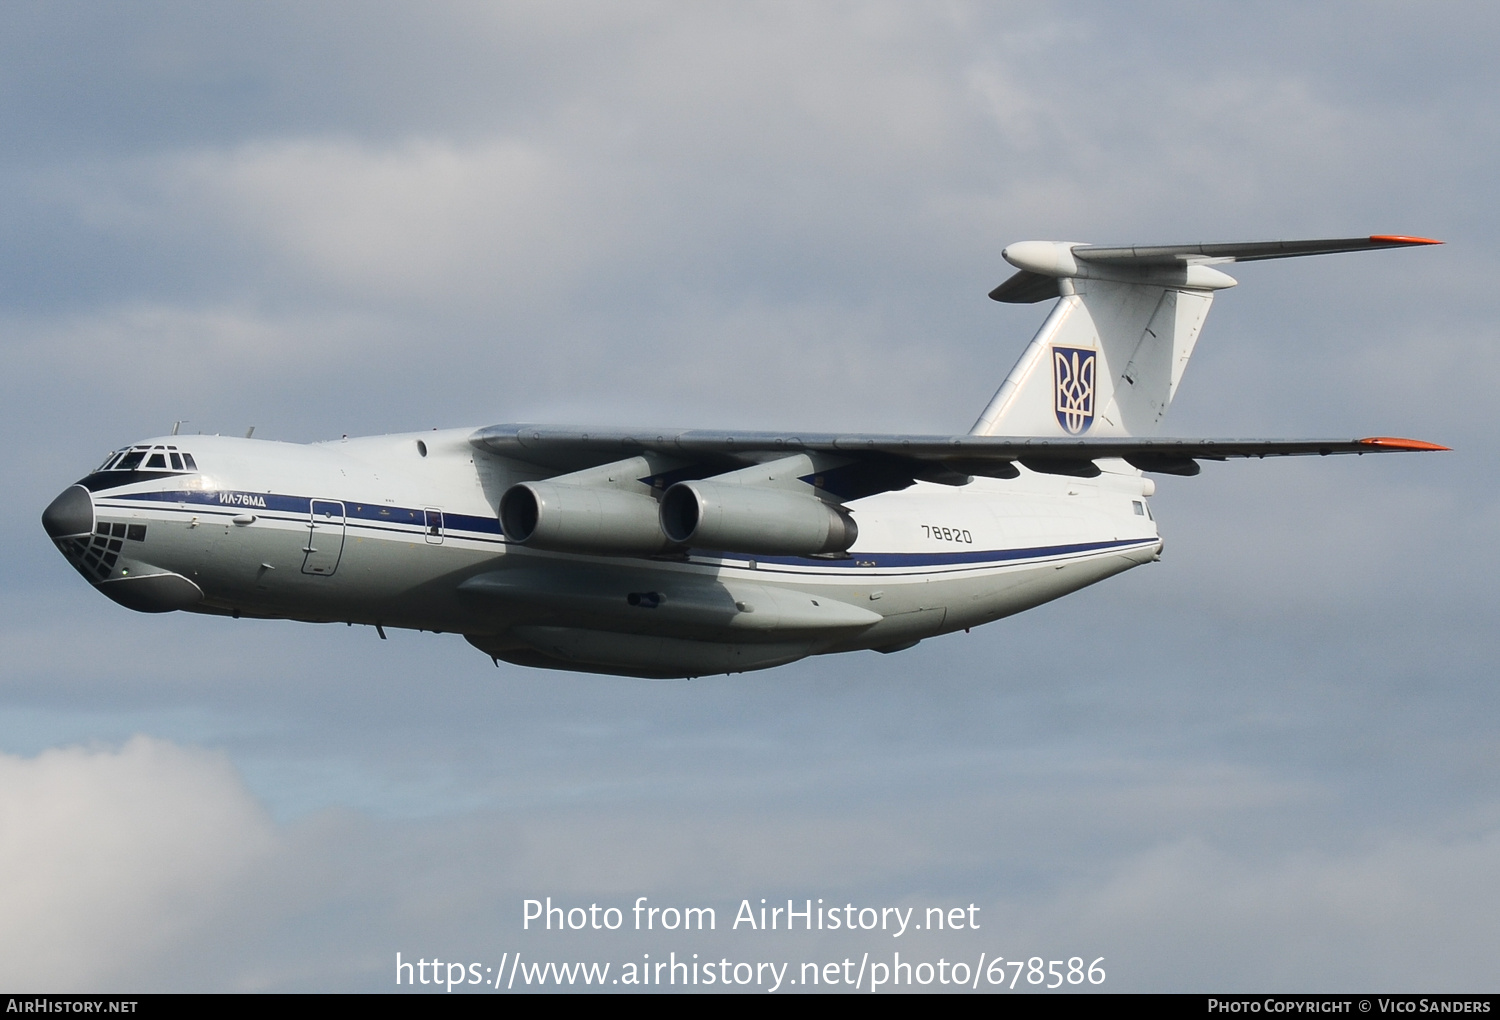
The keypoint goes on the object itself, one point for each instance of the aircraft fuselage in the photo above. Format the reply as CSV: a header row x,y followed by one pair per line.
x,y
402,531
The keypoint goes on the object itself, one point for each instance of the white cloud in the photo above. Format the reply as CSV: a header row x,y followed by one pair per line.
x,y
427,218
110,857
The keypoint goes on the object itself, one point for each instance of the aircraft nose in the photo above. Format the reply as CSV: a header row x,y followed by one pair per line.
x,y
70,514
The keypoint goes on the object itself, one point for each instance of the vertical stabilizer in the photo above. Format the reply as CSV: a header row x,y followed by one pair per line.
x,y
1107,361
1110,357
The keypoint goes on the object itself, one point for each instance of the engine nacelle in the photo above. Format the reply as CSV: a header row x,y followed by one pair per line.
x,y
747,519
577,518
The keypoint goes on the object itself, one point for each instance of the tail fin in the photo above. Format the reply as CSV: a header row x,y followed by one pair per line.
x,y
1110,356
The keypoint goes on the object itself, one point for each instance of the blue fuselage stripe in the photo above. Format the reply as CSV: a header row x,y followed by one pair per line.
x,y
239,502
410,521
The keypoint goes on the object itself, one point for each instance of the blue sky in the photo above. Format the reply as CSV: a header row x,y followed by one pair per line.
x,y
1267,762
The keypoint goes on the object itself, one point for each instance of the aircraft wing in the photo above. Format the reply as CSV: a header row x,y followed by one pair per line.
x,y
877,463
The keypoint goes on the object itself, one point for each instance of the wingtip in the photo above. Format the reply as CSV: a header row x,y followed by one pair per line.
x,y
1402,239
1395,443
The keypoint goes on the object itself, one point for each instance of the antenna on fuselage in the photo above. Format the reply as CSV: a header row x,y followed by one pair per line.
x,y
250,432
177,425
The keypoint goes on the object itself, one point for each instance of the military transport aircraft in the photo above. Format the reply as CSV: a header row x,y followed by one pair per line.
x,y
668,553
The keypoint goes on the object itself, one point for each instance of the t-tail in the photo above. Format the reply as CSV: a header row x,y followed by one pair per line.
x,y
1110,356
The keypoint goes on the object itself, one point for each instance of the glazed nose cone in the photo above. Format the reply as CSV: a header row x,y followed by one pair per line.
x,y
70,514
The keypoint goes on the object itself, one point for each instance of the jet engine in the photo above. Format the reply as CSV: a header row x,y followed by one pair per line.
x,y
571,518
746,519
605,509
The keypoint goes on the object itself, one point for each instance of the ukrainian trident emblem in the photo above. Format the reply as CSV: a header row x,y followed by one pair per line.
x,y
1073,387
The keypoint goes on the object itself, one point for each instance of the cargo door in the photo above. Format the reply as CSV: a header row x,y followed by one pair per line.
x,y
325,537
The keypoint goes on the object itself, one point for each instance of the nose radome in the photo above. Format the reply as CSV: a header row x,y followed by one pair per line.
x,y
70,514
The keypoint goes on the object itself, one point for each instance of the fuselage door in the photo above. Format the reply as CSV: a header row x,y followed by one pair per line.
x,y
434,524
325,537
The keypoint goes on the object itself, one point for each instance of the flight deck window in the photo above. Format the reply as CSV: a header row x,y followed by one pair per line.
x,y
153,457
1140,508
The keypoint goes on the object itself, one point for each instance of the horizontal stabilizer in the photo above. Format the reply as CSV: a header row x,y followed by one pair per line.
x,y
1042,263
1026,288
1241,251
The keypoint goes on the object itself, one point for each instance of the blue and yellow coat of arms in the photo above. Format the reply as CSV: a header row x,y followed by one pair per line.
x,y
1073,371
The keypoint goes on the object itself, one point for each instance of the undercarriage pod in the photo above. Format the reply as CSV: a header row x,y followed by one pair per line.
x,y
746,519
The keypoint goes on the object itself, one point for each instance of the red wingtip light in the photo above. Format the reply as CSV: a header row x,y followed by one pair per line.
x,y
1401,239
1393,443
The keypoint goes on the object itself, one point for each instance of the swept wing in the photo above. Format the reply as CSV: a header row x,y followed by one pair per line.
x,y
896,461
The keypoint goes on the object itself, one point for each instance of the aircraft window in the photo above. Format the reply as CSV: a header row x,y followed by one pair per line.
x,y
1140,508
153,457
136,532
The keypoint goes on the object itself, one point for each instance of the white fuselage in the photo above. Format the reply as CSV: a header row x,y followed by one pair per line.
x,y
402,531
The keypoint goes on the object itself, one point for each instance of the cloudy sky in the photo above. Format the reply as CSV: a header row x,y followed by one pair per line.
x,y
1268,762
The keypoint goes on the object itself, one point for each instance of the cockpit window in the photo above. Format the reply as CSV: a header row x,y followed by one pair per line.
x,y
148,458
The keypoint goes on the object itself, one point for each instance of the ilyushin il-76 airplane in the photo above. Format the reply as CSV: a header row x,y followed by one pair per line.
x,y
666,553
